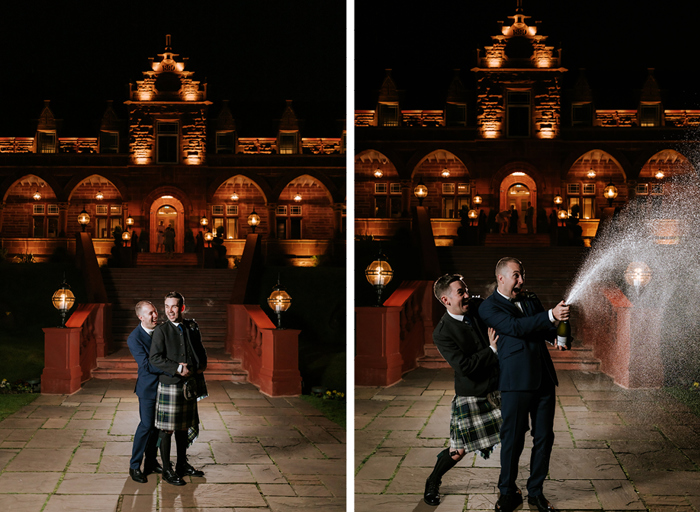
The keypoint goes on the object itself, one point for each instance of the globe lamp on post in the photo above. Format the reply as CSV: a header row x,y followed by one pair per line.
x,y
421,192
63,300
204,222
126,237
378,274
472,214
558,199
208,237
253,220
477,199
610,193
637,274
563,215
279,301
83,219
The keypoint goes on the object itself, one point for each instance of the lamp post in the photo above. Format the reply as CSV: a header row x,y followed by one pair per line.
x,y
63,300
378,274
204,222
253,220
610,193
83,219
563,215
472,214
126,237
130,221
558,199
208,237
477,199
637,274
421,191
279,301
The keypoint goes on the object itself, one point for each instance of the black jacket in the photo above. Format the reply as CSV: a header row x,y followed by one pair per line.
x,y
474,363
168,349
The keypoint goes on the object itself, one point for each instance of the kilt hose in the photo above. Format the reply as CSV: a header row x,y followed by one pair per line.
x,y
173,412
475,424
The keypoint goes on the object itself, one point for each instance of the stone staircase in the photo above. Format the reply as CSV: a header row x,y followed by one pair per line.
x,y
206,292
517,240
548,272
161,259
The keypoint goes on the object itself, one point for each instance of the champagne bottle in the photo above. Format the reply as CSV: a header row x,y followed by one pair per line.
x,y
563,333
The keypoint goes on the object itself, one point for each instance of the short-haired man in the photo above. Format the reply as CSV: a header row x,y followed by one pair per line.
x,y
146,436
177,349
464,342
527,382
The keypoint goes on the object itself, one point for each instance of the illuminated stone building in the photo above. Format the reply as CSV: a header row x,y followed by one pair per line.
x,y
172,163
515,136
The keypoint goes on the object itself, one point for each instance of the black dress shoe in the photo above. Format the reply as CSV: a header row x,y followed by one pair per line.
x,y
432,492
541,503
187,470
508,502
171,477
137,476
152,467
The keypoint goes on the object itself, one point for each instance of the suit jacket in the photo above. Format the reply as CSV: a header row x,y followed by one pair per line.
x,y
474,363
139,343
522,350
168,349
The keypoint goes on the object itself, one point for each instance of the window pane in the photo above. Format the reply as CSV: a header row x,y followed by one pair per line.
x,y
102,231
447,207
47,142
231,228
388,115
456,114
288,143
518,121
109,142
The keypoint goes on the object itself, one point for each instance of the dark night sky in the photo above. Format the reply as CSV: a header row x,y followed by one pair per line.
x,y
80,54
616,40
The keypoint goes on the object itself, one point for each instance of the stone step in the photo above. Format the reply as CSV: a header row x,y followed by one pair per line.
x,y
121,365
513,240
578,358
150,259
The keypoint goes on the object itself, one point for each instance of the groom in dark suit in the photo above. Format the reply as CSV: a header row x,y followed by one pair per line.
x,y
527,381
463,340
146,435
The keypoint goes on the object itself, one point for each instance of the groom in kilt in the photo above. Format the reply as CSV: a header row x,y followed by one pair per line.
x,y
470,349
177,349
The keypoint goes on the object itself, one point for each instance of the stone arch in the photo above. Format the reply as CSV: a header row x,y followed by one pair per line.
x,y
443,190
47,178
580,163
85,190
366,162
24,187
669,161
253,178
20,211
114,180
431,164
321,178
250,196
316,219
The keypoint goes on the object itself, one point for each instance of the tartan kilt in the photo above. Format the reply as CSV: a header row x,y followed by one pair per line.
x,y
475,424
173,412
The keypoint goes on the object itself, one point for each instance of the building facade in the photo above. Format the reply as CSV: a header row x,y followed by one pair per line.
x,y
517,137
172,163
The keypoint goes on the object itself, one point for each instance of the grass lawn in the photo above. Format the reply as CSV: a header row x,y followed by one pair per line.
x,y
9,404
334,410
690,397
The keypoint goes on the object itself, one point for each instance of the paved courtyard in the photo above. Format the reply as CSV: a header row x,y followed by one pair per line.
x,y
615,449
71,453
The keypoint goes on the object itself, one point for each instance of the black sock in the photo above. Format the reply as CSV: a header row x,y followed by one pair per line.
x,y
181,446
443,465
164,439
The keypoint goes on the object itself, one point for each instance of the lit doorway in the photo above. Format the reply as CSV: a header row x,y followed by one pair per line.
x,y
518,189
166,212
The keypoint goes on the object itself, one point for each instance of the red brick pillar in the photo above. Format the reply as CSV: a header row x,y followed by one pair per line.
x,y
406,193
378,358
279,374
62,372
337,220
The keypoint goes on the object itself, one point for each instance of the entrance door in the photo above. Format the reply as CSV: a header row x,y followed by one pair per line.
x,y
519,189
166,212
518,195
